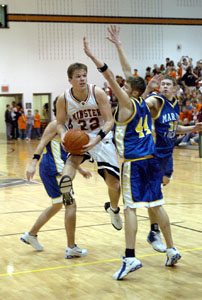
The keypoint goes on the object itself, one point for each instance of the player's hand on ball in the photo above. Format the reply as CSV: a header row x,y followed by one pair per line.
x,y
90,145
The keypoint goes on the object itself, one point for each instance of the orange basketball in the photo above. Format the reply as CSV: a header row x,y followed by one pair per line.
x,y
74,140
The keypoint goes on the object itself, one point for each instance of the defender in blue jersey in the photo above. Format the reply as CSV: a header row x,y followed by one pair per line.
x,y
50,170
141,180
164,110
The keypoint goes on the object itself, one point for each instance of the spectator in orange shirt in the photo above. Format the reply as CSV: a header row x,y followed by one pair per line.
x,y
196,104
179,71
37,124
136,73
185,114
22,125
172,72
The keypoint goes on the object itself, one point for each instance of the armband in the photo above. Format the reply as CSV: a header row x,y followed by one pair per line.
x,y
36,156
102,134
103,69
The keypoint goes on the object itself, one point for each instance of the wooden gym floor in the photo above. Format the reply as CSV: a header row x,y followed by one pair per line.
x,y
26,274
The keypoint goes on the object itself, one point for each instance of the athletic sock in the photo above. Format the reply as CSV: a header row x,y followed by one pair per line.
x,y
115,210
154,227
130,252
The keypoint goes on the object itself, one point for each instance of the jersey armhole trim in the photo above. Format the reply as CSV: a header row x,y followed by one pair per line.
x,y
131,117
160,109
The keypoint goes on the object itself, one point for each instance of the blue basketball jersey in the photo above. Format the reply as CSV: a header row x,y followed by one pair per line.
x,y
133,137
54,157
166,123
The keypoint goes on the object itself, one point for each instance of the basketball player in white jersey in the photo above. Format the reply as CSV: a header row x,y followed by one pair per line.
x,y
88,108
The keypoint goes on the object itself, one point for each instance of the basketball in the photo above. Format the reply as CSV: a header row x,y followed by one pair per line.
x,y
74,140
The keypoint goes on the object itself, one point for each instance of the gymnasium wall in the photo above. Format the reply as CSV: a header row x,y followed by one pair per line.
x,y
35,56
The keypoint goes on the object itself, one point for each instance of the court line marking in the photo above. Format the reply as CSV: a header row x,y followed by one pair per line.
x,y
88,263
186,184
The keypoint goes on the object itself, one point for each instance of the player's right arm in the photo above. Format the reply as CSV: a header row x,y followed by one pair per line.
x,y
61,116
114,38
125,104
48,134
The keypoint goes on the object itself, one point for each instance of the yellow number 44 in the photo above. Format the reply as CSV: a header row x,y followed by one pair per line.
x,y
142,127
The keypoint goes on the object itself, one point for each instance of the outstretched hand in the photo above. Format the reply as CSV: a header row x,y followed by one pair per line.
x,y
154,83
31,169
86,47
198,127
114,34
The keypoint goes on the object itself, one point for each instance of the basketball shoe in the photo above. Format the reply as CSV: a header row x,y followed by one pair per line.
x,y
115,216
172,257
75,252
154,238
31,240
66,190
130,264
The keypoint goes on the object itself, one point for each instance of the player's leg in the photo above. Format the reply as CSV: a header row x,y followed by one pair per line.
x,y
31,236
130,262
51,184
154,236
68,174
131,181
114,194
158,211
72,249
44,217
70,223
163,220
105,155
114,189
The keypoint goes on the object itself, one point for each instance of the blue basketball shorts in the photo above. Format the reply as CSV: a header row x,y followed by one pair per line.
x,y
51,184
141,183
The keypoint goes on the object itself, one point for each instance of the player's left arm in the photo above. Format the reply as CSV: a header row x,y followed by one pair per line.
x,y
85,173
189,129
48,134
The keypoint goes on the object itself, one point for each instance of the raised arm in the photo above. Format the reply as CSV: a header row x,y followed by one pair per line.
x,y
48,134
114,38
124,100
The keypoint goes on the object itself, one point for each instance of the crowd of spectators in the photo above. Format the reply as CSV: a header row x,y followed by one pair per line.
x,y
20,126
188,92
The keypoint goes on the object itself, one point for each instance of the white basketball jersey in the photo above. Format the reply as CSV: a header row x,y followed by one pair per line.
x,y
84,115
